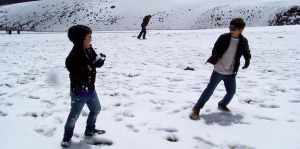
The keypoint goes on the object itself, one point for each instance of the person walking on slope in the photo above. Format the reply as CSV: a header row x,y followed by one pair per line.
x,y
226,55
144,24
82,63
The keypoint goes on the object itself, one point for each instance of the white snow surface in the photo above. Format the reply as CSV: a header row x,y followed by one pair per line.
x,y
59,15
147,96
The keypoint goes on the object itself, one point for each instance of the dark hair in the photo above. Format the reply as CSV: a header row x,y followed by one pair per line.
x,y
238,23
77,33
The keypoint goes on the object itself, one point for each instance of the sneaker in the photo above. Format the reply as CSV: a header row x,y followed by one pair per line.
x,y
195,114
139,37
96,131
224,108
65,142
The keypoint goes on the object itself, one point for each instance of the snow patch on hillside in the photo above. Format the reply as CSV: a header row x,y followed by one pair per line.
x,y
59,15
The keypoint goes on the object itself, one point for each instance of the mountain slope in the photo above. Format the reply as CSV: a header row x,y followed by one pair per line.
x,y
59,15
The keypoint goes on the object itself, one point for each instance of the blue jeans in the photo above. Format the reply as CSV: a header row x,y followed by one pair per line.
x,y
143,32
77,104
215,79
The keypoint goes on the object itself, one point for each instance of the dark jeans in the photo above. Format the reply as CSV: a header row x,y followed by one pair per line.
x,y
143,31
215,79
77,104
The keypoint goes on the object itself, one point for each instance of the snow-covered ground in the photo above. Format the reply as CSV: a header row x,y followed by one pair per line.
x,y
146,95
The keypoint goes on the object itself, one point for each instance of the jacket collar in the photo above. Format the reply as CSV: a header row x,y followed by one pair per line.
x,y
241,37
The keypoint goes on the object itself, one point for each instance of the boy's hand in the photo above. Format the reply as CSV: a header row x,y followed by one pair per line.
x,y
216,58
99,62
247,63
89,67
103,55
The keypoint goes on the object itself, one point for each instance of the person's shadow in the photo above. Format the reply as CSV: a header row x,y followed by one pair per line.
x,y
87,142
79,145
223,118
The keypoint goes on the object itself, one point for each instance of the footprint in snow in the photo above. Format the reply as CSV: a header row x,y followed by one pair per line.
x,y
158,109
46,131
35,114
3,113
231,146
7,104
121,115
118,119
59,120
2,94
249,101
129,104
128,114
32,114
204,143
49,104
295,101
175,111
264,118
34,97
172,138
188,107
118,104
23,82
132,128
272,106
171,130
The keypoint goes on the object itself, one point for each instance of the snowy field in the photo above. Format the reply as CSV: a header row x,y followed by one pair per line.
x,y
146,95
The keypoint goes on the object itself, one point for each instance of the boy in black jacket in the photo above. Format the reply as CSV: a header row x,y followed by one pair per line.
x,y
81,63
226,55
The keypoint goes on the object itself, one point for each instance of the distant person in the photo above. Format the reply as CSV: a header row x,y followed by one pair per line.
x,y
9,31
81,64
225,57
144,24
19,31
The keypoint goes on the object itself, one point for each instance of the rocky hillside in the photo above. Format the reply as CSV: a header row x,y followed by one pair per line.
x,y
287,17
7,2
59,15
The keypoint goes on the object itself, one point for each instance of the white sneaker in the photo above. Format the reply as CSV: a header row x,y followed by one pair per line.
x,y
65,143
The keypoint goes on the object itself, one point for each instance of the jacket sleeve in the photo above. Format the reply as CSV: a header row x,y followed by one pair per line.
x,y
218,46
77,71
246,51
216,50
93,54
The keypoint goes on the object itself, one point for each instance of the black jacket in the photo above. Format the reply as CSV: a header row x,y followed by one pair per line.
x,y
81,78
222,45
145,21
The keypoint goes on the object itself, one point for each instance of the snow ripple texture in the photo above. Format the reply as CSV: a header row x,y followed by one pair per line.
x,y
146,94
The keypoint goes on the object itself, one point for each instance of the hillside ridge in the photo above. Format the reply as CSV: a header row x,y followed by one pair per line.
x,y
59,15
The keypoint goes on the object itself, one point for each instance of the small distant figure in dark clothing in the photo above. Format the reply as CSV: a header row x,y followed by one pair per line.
x,y
19,31
9,31
144,24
